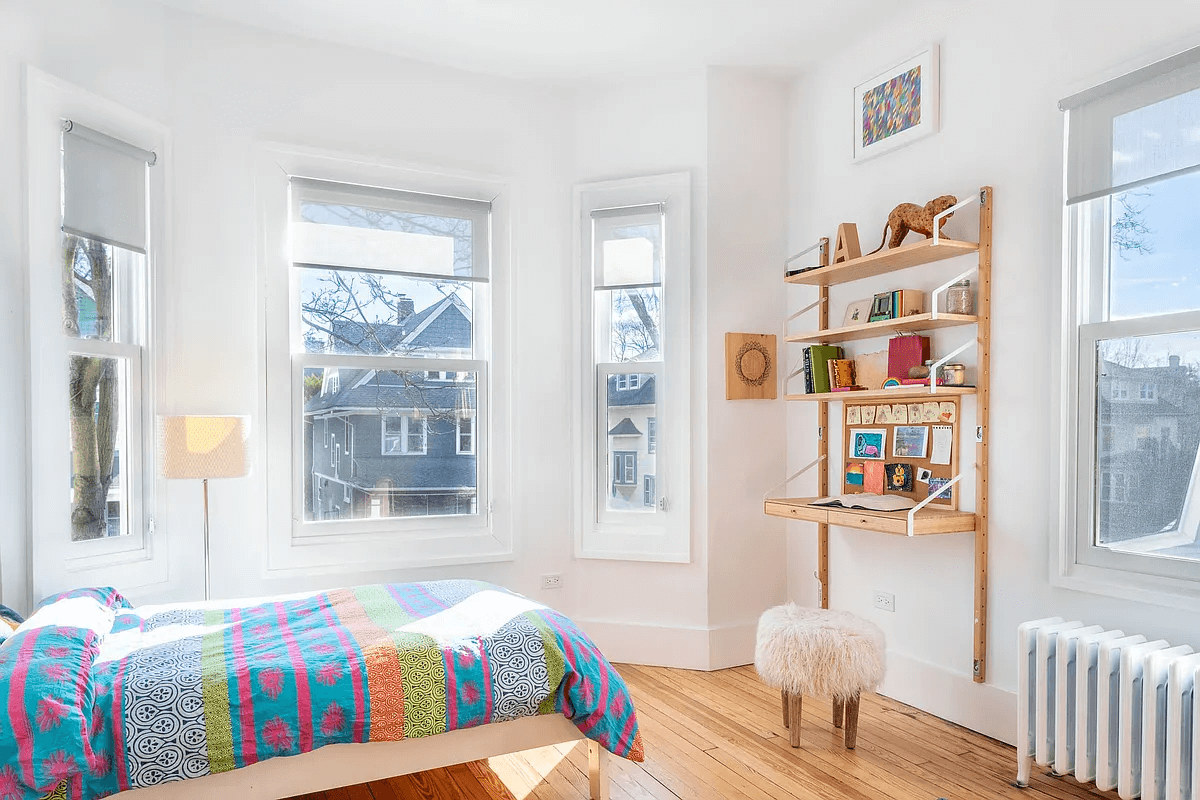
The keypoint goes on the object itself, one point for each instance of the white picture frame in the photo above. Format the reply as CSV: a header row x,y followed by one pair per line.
x,y
872,121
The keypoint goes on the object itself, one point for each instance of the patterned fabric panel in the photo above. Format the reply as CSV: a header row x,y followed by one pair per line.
x,y
164,714
520,679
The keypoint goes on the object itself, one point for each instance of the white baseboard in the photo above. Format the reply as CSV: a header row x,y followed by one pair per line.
x,y
681,647
952,696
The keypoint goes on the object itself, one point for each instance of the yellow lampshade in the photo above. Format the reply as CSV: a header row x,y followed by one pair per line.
x,y
202,447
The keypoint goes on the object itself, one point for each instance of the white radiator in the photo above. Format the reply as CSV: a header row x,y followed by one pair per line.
x,y
1110,709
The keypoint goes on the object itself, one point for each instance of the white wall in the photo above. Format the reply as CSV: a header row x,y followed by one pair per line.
x,y
1004,67
747,201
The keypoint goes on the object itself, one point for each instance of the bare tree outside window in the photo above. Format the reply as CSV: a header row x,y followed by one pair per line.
x,y
93,385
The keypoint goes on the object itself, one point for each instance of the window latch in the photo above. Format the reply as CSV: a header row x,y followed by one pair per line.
x,y
150,526
663,504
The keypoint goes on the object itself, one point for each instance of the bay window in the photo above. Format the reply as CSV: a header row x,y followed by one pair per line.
x,y
96,194
635,279
1132,311
380,320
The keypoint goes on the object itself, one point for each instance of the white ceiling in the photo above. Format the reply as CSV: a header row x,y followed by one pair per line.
x,y
566,40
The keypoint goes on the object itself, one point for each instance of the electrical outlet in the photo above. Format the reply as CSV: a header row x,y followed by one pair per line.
x,y
885,601
552,581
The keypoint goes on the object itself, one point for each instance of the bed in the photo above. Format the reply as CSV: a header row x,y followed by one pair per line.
x,y
279,696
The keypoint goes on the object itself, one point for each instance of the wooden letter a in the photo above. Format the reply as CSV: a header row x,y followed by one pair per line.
x,y
847,246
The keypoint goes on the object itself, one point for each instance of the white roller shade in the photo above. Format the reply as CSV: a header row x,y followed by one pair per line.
x,y
628,246
1134,130
104,188
344,226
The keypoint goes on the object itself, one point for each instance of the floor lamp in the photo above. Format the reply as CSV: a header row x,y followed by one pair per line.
x,y
203,448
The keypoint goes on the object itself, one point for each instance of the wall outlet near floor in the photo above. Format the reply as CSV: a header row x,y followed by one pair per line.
x,y
552,581
885,601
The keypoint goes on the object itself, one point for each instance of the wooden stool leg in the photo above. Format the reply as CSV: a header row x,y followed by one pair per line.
x,y
785,707
851,722
839,706
795,702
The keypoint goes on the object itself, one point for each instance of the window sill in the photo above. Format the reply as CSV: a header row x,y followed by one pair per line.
x,y
1172,593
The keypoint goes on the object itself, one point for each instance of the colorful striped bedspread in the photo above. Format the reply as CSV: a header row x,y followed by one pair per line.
x,y
102,697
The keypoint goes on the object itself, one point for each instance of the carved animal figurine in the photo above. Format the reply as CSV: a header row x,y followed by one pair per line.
x,y
912,217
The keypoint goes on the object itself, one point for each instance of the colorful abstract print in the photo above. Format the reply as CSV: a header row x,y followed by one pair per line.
x,y
891,107
103,697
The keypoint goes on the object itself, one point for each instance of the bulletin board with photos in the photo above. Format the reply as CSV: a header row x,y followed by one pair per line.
x,y
909,449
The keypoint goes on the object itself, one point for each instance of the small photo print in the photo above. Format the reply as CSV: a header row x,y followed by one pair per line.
x,y
936,487
868,414
899,477
910,441
854,474
923,475
853,415
868,443
857,312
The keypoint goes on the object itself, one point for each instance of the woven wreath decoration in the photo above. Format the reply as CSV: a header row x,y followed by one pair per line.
x,y
745,350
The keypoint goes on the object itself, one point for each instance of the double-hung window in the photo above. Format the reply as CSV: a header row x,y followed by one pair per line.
x,y
1132,328
95,194
635,290
388,292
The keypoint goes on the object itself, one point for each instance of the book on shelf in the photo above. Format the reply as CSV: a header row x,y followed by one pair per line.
x,y
808,381
841,373
815,364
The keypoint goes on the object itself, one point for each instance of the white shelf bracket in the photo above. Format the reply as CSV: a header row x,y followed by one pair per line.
x,y
933,311
820,245
792,477
912,512
933,370
937,220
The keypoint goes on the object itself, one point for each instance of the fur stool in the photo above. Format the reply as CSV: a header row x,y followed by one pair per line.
x,y
810,651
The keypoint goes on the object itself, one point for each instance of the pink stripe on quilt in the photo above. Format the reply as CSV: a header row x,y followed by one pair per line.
x,y
245,692
303,692
451,690
118,728
357,669
22,730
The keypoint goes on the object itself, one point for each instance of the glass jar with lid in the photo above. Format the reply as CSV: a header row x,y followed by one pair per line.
x,y
960,299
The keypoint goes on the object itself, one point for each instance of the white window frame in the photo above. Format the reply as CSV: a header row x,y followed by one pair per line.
x,y
1077,563
138,561
357,546
663,534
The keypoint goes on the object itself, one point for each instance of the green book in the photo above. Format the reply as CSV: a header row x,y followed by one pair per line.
x,y
821,354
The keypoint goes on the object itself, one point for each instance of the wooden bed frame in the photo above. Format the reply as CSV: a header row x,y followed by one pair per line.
x,y
339,765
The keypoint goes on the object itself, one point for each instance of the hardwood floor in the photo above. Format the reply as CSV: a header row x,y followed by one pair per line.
x,y
721,735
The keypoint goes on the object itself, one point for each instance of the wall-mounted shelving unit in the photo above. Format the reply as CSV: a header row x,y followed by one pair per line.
x,y
925,520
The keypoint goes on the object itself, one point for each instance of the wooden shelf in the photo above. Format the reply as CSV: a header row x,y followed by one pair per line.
x,y
886,260
872,395
928,521
910,324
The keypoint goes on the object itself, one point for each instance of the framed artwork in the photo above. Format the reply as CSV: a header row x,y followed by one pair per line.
x,y
910,441
857,313
897,106
868,444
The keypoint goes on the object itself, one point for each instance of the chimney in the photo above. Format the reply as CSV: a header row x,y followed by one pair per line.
x,y
1174,360
405,307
